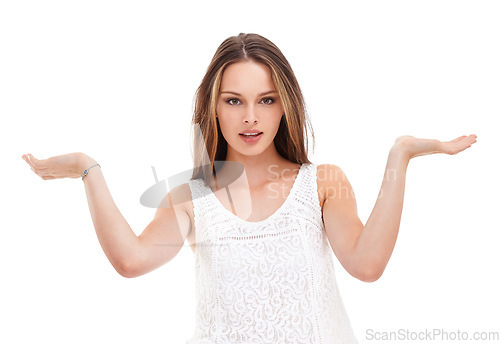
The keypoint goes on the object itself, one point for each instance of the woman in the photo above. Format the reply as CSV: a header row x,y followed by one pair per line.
x,y
263,224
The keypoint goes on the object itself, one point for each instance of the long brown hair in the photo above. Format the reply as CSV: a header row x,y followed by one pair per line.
x,y
291,140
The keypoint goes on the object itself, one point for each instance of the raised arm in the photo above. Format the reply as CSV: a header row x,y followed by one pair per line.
x,y
133,255
364,251
129,254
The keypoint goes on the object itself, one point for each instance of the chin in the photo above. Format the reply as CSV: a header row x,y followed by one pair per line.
x,y
252,150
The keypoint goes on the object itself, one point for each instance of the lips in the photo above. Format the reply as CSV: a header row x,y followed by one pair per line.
x,y
253,135
252,131
251,139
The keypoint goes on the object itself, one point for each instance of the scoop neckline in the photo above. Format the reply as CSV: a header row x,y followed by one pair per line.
x,y
270,217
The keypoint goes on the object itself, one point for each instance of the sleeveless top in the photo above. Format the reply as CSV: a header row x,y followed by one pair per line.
x,y
270,281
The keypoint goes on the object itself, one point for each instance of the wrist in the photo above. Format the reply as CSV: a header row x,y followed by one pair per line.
x,y
84,162
399,152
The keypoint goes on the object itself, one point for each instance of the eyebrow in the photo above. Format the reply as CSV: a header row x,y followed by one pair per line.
x,y
260,94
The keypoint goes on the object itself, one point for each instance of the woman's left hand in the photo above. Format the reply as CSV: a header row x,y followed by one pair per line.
x,y
412,146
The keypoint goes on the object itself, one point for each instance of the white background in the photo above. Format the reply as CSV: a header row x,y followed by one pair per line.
x,y
116,80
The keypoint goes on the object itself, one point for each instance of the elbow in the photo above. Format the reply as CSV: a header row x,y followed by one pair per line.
x,y
370,277
126,270
370,274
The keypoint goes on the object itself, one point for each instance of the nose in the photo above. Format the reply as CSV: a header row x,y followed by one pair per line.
x,y
250,115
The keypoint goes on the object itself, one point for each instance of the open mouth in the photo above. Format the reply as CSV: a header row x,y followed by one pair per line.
x,y
251,139
251,135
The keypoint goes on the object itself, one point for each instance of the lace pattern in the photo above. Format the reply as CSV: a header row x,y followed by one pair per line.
x,y
271,281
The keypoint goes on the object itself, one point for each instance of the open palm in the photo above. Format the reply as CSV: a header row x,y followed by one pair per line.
x,y
414,147
60,166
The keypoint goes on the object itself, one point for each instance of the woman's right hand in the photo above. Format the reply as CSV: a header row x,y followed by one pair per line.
x,y
60,166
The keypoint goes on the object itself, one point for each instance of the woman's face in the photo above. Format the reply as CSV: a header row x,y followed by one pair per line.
x,y
248,100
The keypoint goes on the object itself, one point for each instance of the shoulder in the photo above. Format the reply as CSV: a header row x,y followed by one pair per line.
x,y
179,197
328,173
182,193
329,178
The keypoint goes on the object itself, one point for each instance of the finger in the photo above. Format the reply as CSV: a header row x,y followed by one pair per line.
x,y
473,138
25,158
465,138
38,164
469,137
461,146
36,172
45,176
457,139
467,142
33,167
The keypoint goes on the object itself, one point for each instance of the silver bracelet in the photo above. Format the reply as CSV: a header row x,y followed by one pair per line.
x,y
87,170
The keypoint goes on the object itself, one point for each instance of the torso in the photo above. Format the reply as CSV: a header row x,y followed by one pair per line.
x,y
263,206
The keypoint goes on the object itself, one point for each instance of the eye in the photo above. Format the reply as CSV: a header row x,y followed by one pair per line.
x,y
236,101
271,100
230,100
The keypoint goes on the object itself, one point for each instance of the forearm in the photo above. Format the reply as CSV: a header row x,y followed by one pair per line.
x,y
378,238
116,237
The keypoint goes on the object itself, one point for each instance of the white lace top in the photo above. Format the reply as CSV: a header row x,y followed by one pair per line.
x,y
270,281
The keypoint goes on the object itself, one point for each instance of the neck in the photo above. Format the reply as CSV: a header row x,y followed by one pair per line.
x,y
258,168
